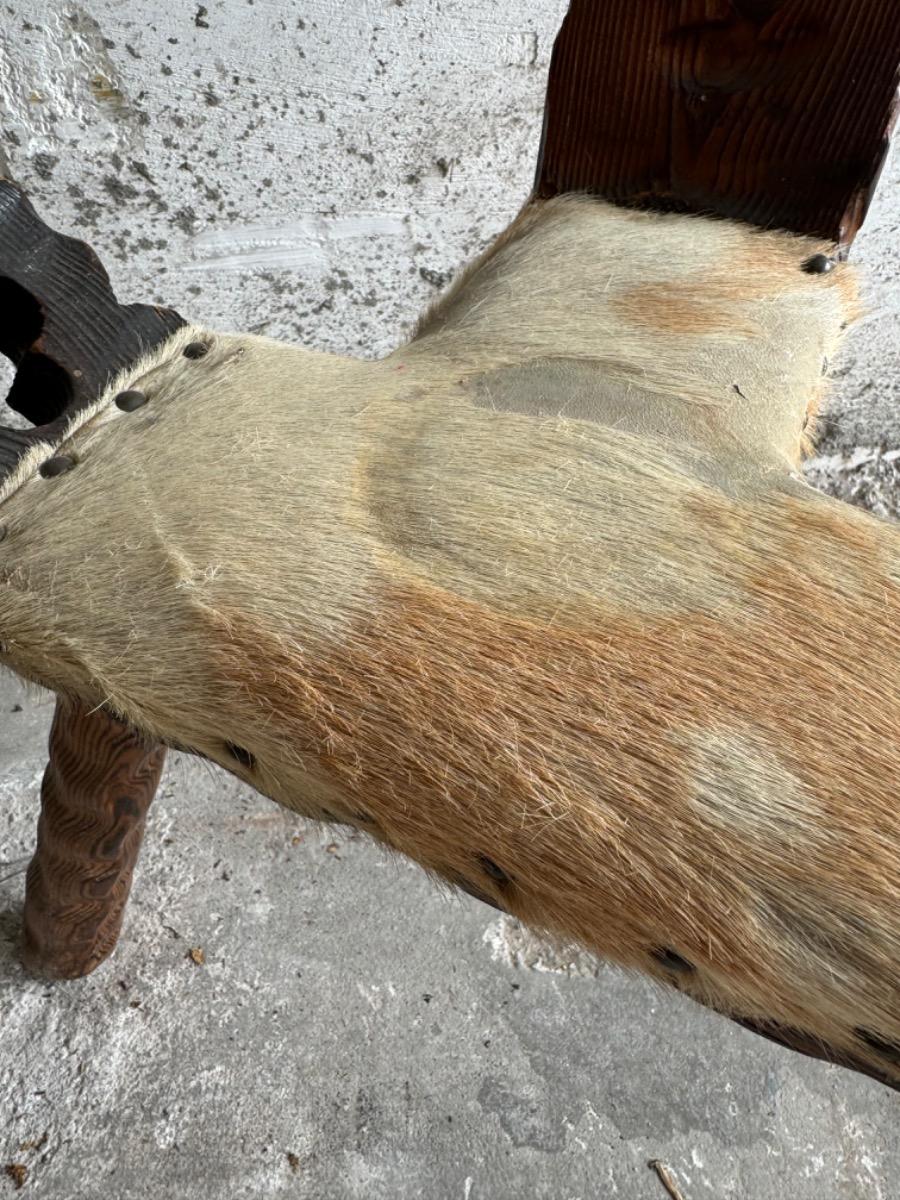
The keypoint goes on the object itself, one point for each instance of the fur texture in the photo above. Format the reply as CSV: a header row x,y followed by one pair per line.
x,y
539,600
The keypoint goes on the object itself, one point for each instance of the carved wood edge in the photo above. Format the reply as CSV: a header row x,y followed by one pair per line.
x,y
60,322
67,335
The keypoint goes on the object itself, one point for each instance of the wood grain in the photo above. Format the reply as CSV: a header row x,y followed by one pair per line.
x,y
775,112
96,791
67,335
60,322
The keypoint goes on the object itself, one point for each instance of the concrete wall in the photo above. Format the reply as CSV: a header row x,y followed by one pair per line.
x,y
309,168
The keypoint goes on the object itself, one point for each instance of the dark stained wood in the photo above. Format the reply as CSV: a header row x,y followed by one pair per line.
x,y
60,322
776,112
96,791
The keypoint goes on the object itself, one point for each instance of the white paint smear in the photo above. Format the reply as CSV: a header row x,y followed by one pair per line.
x,y
308,242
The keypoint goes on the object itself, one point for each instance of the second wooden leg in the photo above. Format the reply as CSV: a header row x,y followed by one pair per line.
x,y
97,788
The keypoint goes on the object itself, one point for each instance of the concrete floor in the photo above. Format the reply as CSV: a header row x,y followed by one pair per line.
x,y
305,169
354,1033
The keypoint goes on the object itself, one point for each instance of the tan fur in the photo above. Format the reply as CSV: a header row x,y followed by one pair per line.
x,y
624,655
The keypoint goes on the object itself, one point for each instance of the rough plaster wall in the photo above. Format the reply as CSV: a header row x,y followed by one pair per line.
x,y
309,168
315,169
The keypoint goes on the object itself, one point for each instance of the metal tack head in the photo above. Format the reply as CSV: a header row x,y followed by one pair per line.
x,y
196,350
491,869
131,400
244,757
671,961
58,465
60,299
819,264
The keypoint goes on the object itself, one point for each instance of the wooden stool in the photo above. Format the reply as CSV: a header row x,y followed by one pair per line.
x,y
736,108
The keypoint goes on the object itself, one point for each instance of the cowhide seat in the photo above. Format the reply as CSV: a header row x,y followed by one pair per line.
x,y
540,600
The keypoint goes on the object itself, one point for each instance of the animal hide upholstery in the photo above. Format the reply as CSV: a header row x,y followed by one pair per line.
x,y
540,600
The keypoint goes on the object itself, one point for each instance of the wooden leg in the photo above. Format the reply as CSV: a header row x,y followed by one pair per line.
x,y
97,788
67,335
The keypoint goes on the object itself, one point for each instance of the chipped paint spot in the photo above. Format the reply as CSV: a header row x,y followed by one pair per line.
x,y
513,944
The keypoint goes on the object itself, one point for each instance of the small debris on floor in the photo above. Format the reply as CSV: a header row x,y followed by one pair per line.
x,y
332,848
196,955
35,1143
293,1161
666,1178
18,1173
